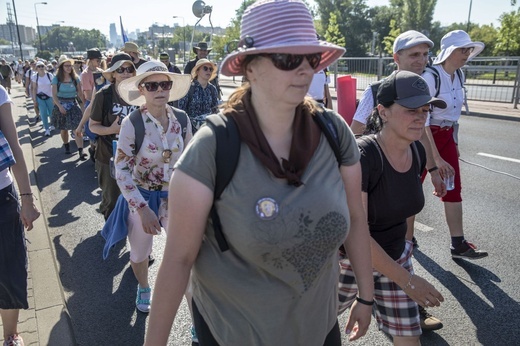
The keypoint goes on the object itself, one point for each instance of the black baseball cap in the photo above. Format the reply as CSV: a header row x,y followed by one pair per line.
x,y
407,89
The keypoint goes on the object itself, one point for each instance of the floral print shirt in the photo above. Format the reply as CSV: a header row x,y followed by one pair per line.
x,y
147,169
199,102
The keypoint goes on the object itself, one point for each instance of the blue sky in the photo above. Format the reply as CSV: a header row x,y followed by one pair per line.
x,y
99,14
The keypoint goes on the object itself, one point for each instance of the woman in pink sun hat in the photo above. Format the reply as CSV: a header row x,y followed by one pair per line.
x,y
270,274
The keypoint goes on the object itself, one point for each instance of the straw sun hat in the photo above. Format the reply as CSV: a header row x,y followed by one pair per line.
x,y
129,91
202,62
278,26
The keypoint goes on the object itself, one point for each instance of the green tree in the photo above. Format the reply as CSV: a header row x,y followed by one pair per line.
x,y
487,34
332,34
508,39
58,38
388,41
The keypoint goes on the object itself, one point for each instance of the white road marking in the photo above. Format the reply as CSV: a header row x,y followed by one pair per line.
x,y
499,157
422,227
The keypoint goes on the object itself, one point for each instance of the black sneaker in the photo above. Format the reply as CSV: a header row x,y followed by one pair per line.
x,y
67,148
467,250
429,322
414,242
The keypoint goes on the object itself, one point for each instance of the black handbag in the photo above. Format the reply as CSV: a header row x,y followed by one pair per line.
x,y
42,96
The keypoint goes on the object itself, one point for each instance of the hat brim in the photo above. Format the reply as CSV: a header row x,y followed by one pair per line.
x,y
232,64
108,72
72,61
421,100
196,68
129,88
196,49
445,53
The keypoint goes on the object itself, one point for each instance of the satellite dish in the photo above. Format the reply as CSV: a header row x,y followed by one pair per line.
x,y
198,8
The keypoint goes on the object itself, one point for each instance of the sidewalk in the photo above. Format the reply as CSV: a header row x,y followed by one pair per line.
x,y
47,321
494,110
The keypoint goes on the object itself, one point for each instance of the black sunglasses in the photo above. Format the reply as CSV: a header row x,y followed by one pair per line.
x,y
289,62
129,69
153,86
206,69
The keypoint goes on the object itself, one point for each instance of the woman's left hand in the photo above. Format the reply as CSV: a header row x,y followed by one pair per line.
x,y
358,320
29,212
149,220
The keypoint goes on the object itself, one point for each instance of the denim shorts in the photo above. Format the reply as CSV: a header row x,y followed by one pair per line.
x,y
13,253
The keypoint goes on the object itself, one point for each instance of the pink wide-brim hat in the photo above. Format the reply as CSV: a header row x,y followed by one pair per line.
x,y
278,26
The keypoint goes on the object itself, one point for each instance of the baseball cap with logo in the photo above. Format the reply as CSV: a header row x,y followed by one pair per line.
x,y
408,90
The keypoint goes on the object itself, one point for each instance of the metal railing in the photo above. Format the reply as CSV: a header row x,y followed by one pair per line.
x,y
487,79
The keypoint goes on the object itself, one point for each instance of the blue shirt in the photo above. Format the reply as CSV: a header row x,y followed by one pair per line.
x,y
66,90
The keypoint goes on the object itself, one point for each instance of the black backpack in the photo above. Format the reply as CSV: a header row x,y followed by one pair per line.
x,y
228,152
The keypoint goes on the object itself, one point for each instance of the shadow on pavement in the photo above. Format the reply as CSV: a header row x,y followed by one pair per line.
x,y
102,309
495,321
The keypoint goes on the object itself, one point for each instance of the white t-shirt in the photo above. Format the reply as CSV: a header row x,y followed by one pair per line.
x,y
316,90
44,83
5,176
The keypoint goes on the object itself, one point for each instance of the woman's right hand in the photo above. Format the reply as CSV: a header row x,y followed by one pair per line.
x,y
62,109
149,220
422,292
79,131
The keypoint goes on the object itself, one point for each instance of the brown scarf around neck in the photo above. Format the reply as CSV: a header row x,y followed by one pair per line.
x,y
305,140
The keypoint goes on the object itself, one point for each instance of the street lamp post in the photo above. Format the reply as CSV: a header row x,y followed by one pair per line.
x,y
38,24
183,38
469,15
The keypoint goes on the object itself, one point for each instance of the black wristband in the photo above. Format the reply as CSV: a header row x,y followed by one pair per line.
x,y
433,169
365,302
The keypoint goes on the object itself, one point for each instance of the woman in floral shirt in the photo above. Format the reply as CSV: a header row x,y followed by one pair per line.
x,y
143,177
202,99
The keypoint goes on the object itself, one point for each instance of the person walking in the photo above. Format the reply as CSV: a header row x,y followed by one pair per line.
x,y
143,174
457,49
276,282
41,84
66,114
106,123
392,161
6,74
202,98
14,217
132,49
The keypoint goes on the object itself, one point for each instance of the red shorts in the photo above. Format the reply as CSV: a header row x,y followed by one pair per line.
x,y
443,137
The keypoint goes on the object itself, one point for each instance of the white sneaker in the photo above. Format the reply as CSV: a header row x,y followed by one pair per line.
x,y
47,133
52,128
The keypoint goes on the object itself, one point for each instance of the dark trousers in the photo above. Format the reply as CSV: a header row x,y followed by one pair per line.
x,y
109,189
13,253
206,338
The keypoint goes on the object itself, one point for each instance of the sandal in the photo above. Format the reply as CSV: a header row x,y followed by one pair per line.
x,y
142,302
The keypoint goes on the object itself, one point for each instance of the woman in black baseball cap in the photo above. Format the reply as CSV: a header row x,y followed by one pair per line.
x,y
392,161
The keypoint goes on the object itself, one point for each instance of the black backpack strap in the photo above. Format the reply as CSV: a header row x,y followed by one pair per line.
x,y
226,159
182,117
375,87
369,145
107,102
137,120
437,79
324,121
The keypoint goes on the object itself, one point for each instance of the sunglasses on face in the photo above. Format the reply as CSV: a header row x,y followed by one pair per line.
x,y
67,65
467,50
153,86
129,69
289,62
206,69
40,66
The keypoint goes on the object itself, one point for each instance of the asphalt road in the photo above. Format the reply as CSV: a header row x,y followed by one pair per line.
x,y
482,298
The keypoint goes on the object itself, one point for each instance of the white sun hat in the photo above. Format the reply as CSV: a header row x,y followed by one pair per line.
x,y
457,39
129,91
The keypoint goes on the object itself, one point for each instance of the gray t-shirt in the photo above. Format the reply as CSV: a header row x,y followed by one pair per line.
x,y
278,282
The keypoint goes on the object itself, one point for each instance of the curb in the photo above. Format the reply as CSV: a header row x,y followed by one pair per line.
x,y
49,323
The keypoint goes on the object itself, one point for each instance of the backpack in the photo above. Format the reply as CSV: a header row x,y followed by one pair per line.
x,y
369,145
137,120
228,152
47,73
437,79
